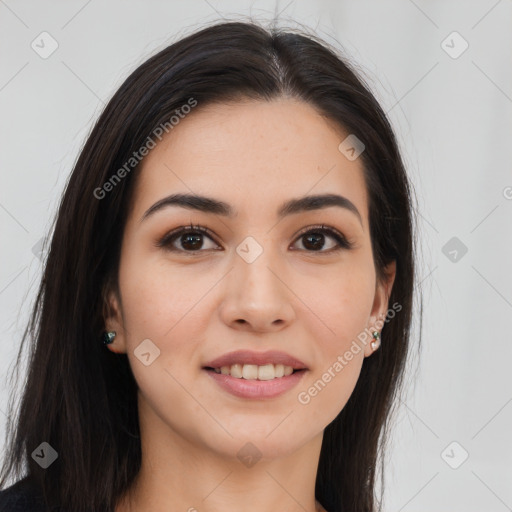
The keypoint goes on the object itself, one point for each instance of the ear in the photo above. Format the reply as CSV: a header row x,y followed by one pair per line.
x,y
113,318
380,304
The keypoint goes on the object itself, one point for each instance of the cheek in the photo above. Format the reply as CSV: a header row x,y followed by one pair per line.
x,y
343,307
161,305
156,297
166,306
340,353
339,306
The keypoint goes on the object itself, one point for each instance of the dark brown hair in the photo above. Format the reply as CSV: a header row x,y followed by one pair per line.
x,y
80,397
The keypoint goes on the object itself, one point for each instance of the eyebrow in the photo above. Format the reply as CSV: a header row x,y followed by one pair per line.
x,y
292,206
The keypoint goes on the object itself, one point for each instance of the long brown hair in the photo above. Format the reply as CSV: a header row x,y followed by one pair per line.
x,y
81,398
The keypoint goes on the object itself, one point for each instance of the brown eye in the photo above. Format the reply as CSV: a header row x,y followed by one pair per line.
x,y
191,239
314,239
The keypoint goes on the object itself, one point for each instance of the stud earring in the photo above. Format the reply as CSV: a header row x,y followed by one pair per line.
x,y
108,337
376,343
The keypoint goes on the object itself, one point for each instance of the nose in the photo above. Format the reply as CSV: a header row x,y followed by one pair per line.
x,y
256,296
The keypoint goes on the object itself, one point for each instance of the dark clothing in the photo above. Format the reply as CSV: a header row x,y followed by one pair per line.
x,y
21,497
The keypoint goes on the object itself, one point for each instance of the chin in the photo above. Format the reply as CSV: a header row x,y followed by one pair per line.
x,y
263,440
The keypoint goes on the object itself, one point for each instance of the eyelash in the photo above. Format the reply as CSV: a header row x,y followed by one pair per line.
x,y
166,240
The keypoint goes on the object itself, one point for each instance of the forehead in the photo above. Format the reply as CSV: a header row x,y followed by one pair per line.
x,y
251,154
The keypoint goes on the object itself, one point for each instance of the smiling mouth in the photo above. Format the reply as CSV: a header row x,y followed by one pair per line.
x,y
256,372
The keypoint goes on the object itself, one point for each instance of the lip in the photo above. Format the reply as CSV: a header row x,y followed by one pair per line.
x,y
257,358
248,388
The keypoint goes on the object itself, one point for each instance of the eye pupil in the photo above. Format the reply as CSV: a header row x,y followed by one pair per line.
x,y
314,238
195,240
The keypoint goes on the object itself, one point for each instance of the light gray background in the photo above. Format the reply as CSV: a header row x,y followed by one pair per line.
x,y
453,117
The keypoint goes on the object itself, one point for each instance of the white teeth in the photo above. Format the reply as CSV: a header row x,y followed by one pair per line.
x,y
235,371
255,372
250,371
266,372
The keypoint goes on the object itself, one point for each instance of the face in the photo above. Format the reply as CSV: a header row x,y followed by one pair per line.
x,y
257,280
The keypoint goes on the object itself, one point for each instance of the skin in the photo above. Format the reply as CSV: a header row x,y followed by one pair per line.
x,y
196,307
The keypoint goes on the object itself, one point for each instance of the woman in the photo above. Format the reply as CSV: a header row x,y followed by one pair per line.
x,y
233,246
